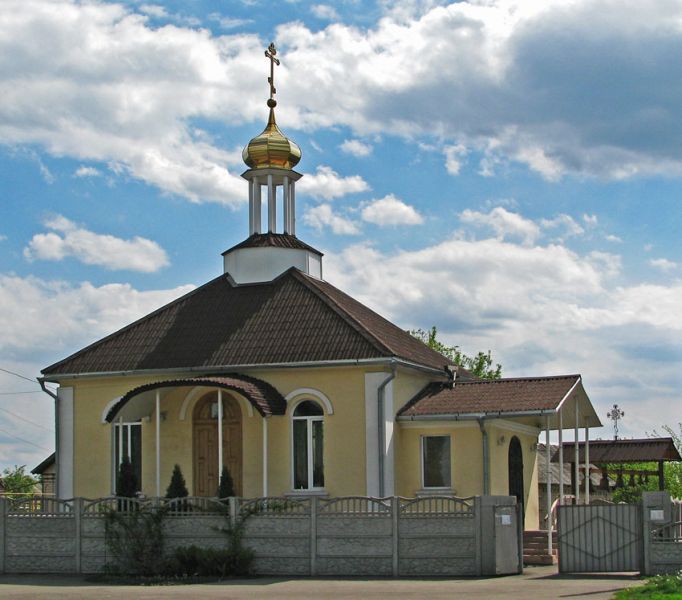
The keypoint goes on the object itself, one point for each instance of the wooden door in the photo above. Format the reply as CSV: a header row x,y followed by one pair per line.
x,y
205,443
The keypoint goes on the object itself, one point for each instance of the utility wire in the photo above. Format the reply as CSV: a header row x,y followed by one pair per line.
x,y
23,440
9,412
18,375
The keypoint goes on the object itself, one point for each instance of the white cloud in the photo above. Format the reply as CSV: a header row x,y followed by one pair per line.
x,y
36,315
328,184
663,264
453,158
324,11
541,309
137,254
590,220
2,238
565,223
504,223
390,210
227,22
154,10
323,216
613,238
356,148
84,171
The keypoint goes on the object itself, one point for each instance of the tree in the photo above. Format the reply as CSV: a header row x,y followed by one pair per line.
x,y
177,487
226,487
673,470
17,481
126,482
480,365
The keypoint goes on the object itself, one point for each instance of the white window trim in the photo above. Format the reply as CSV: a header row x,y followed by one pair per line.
x,y
117,437
309,444
425,490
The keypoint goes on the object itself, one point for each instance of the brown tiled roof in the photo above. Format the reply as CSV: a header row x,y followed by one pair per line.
x,y
294,318
264,397
624,451
490,396
273,240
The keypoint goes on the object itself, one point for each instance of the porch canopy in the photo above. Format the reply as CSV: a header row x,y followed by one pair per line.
x,y
145,400
615,452
260,394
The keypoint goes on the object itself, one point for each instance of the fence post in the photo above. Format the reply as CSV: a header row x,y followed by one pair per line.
x,y
395,516
233,511
314,507
77,515
3,533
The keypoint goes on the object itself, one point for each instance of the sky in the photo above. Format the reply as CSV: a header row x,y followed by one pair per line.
x,y
507,171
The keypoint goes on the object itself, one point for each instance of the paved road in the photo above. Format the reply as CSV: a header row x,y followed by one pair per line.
x,y
537,583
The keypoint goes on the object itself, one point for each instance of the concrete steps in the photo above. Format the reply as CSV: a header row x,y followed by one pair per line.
x,y
535,548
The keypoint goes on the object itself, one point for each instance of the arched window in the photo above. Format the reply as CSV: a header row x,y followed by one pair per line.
x,y
308,444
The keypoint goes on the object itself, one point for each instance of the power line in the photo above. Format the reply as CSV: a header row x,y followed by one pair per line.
x,y
18,375
23,440
9,412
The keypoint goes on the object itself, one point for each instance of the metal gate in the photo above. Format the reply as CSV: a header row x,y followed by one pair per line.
x,y
596,538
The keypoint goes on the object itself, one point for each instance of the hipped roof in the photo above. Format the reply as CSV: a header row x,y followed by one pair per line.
x,y
293,319
489,398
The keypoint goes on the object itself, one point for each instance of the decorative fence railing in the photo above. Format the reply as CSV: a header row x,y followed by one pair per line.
x,y
289,536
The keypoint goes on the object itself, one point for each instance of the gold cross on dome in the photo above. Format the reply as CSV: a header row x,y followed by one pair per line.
x,y
270,53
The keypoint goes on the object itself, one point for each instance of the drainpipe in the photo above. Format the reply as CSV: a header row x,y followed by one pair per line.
x,y
486,468
382,426
56,433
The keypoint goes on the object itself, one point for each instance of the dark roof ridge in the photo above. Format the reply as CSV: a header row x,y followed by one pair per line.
x,y
137,321
309,283
510,379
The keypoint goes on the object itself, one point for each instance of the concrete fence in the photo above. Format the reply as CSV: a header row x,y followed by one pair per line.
x,y
436,536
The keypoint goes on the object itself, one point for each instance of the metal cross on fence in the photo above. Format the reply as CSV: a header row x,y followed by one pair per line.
x,y
615,414
271,53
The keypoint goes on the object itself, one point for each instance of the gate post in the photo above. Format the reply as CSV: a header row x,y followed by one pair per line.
x,y
395,526
77,508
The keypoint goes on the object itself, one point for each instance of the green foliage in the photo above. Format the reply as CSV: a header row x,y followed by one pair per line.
x,y
177,488
136,541
17,481
480,365
209,562
666,587
126,481
673,470
226,487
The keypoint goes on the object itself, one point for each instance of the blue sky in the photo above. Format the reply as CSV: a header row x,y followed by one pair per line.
x,y
507,171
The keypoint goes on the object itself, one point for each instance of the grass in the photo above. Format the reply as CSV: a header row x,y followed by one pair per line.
x,y
661,587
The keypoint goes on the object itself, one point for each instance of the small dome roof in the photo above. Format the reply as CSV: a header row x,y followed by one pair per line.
x,y
271,149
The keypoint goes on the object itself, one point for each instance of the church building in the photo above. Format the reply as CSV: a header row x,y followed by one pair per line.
x,y
293,385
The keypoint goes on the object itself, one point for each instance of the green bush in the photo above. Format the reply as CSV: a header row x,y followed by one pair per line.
x,y
663,587
226,487
209,562
135,540
126,481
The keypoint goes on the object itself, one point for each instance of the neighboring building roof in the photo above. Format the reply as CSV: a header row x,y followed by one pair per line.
x,y
531,394
273,240
263,396
43,466
595,473
625,451
292,319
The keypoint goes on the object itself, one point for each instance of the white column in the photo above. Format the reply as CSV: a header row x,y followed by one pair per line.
x,y
292,205
257,217
265,457
561,457
285,204
252,209
549,486
220,435
576,462
272,205
158,443
65,460
587,464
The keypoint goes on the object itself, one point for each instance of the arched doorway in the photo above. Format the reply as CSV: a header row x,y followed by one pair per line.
x,y
205,443
516,472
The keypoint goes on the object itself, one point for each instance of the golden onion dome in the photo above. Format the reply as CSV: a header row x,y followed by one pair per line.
x,y
271,149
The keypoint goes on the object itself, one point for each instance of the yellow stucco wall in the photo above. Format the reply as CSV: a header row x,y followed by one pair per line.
x,y
344,438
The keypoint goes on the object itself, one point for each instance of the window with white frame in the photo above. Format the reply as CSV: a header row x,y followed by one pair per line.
x,y
128,442
435,451
308,446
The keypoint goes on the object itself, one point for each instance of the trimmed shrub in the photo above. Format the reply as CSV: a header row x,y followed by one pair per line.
x,y
177,488
226,487
126,480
